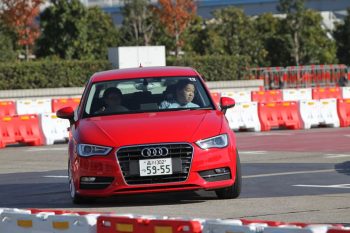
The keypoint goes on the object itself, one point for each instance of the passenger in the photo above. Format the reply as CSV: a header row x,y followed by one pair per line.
x,y
184,95
112,98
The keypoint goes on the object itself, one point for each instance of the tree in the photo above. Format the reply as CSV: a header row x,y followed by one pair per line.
x,y
20,15
268,27
7,52
101,33
176,16
71,31
302,32
64,31
342,37
138,22
238,34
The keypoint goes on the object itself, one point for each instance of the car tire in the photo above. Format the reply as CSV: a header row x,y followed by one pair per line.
x,y
76,198
235,190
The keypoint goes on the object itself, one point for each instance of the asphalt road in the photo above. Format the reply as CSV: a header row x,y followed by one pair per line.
x,y
294,176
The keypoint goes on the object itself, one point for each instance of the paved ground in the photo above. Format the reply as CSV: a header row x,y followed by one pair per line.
x,y
287,176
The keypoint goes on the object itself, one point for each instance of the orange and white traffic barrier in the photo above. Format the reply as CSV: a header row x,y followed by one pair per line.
x,y
58,103
319,112
326,93
47,222
54,129
279,114
297,94
116,224
238,96
21,129
33,106
267,96
7,108
346,92
244,116
343,106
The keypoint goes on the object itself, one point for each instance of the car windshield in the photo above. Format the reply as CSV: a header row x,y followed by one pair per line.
x,y
146,95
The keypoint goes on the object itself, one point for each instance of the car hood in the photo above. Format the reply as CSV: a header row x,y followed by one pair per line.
x,y
148,128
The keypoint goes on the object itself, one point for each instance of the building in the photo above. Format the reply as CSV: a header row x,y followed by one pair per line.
x,y
251,7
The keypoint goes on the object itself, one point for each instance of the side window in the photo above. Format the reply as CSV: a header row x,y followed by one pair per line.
x,y
90,99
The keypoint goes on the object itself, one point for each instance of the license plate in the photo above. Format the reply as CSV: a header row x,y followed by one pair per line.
x,y
155,167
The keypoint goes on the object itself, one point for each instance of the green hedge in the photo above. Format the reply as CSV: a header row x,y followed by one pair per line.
x,y
48,74
53,74
214,68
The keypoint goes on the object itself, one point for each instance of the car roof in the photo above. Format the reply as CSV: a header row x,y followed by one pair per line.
x,y
143,72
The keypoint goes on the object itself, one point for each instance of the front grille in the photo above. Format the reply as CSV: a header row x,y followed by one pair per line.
x,y
181,154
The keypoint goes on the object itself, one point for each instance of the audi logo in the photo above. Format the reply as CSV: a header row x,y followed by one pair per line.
x,y
154,151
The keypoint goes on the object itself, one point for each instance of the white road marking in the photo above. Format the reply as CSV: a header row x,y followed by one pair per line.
x,y
341,186
252,152
46,149
347,135
56,177
332,156
272,134
290,173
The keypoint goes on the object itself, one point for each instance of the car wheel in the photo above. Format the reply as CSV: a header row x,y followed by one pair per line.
x,y
235,190
76,198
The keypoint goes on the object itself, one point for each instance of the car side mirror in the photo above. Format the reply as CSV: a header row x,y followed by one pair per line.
x,y
226,103
66,113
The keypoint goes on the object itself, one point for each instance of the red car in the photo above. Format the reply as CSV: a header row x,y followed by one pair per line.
x,y
147,130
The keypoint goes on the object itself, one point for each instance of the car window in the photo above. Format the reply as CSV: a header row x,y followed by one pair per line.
x,y
146,95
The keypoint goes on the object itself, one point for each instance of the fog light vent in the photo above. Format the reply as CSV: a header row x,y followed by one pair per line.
x,y
91,182
216,174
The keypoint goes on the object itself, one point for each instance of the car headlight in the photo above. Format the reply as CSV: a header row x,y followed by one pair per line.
x,y
219,141
86,150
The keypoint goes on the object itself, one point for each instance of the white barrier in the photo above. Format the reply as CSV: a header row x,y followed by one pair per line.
x,y
346,92
220,226
47,222
33,106
54,129
319,112
40,221
297,94
17,222
297,229
244,116
238,96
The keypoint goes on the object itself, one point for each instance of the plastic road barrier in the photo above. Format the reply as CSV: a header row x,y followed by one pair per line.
x,y
238,96
216,97
297,94
54,129
20,129
319,112
228,225
47,222
279,114
344,230
326,93
111,224
244,116
346,92
266,222
267,96
64,102
19,222
343,107
7,108
297,229
33,106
